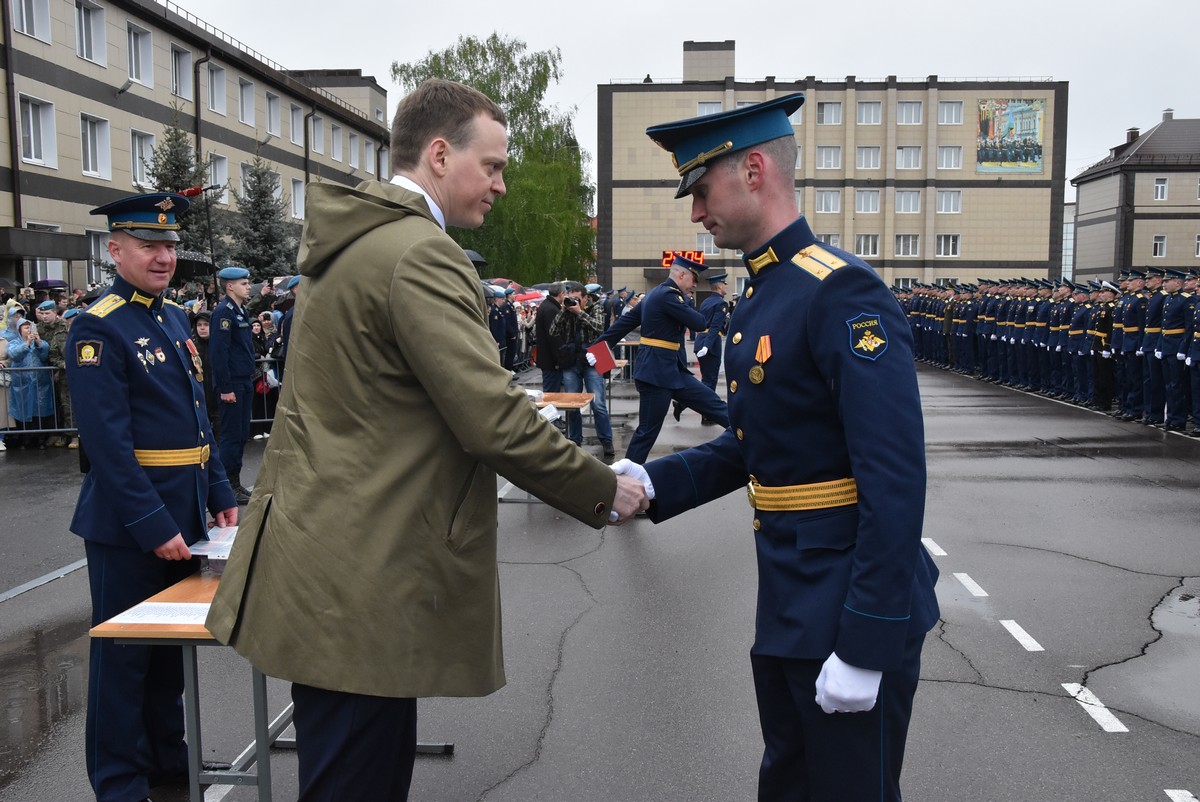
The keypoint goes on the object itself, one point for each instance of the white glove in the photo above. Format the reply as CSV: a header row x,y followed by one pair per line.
x,y
1106,354
1188,362
1091,352
702,352
1003,339
624,467
993,338
1058,349
843,688
1158,354
1022,342
591,358
1181,356
1139,352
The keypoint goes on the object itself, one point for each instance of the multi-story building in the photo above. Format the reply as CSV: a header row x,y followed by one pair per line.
x,y
91,85
1141,205
929,180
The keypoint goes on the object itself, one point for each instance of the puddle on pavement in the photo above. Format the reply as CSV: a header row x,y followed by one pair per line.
x,y
43,679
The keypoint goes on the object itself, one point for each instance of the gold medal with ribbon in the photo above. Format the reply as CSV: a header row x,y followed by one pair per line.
x,y
761,354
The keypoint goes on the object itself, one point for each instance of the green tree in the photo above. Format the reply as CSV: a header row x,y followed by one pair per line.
x,y
173,167
541,229
265,242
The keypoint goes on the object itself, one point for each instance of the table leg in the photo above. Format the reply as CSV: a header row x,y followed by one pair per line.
x,y
262,736
191,721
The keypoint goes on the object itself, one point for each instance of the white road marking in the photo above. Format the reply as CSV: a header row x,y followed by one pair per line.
x,y
1022,636
42,580
1094,708
934,548
1180,796
971,585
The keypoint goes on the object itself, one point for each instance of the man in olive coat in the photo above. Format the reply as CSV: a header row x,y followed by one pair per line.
x,y
364,574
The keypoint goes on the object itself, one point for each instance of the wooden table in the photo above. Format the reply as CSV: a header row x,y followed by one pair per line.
x,y
199,588
565,400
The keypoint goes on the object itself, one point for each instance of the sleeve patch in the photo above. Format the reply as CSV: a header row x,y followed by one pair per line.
x,y
225,323
867,337
87,353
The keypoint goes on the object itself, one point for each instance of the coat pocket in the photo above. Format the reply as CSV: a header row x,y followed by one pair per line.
x,y
833,530
462,523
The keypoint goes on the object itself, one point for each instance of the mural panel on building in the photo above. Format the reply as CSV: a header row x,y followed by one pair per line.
x,y
1010,135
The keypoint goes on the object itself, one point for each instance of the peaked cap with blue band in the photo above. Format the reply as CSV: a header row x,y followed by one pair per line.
x,y
698,141
149,217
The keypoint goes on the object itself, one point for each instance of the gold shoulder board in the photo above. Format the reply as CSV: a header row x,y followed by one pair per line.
x,y
106,305
817,261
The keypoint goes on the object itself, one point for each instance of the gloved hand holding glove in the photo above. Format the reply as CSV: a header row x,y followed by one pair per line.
x,y
843,688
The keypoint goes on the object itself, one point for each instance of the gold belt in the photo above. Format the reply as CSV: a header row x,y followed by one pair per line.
x,y
1173,331
171,457
815,496
1153,331
653,343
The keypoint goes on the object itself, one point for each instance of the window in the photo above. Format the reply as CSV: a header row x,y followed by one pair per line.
x,y
141,152
866,244
244,170
908,245
866,201
908,112
45,268
89,31
706,244
379,118
949,201
218,176
947,245
32,17
297,199
799,196
867,158
832,240
949,157
908,201
181,72
1160,189
829,157
829,201
318,134
276,184
216,89
296,121
274,120
335,142
245,101
829,113
870,112
797,116
38,143
369,163
353,147
141,56
905,283
95,154
946,281
97,255
908,157
1159,249
950,112
706,107
799,157
1198,246
385,163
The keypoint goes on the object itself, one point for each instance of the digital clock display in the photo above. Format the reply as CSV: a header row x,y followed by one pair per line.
x,y
669,256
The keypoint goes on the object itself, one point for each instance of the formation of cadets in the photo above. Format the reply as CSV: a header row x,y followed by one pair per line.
x,y
1130,349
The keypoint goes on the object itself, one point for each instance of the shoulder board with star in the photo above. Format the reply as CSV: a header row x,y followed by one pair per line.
x,y
106,305
817,261
169,302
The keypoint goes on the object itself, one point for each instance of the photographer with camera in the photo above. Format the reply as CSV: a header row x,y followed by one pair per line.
x,y
578,323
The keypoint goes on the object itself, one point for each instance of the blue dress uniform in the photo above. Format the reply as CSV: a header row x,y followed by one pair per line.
x,y
496,323
231,350
1172,344
1133,321
1192,363
1154,395
715,310
837,483
137,389
660,372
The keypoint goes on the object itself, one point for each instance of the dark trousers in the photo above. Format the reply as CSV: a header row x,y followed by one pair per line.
x,y
814,756
235,426
653,402
552,381
1135,367
1103,381
352,747
1176,389
1194,373
1154,390
710,369
134,709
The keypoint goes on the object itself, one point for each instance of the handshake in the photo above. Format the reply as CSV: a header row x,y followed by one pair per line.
x,y
635,491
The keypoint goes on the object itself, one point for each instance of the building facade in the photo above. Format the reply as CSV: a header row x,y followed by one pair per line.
x,y
931,180
1140,207
90,87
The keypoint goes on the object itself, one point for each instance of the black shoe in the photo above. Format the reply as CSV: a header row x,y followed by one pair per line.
x,y
676,409
708,422
607,445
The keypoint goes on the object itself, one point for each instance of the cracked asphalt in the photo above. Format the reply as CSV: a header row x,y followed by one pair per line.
x,y
627,649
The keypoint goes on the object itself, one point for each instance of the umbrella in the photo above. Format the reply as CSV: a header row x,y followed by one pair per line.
x,y
532,295
49,284
475,258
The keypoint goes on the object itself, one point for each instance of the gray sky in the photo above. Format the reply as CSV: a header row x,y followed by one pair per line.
x,y
1123,70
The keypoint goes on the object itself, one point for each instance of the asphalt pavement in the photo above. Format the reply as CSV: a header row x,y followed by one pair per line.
x,y
1064,668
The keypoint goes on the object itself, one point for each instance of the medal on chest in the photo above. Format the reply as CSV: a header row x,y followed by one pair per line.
x,y
761,354
196,363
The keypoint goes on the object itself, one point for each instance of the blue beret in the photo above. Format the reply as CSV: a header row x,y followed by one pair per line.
x,y
497,292
232,273
16,309
148,217
46,306
592,287
698,140
70,313
695,267
510,291
718,278
292,282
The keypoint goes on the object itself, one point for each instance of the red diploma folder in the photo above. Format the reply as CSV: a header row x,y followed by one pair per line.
x,y
604,358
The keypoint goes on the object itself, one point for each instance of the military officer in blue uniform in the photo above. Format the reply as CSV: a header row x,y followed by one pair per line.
x,y
1133,321
137,389
827,439
1172,345
660,373
1192,345
231,349
1154,391
707,347
285,327
496,323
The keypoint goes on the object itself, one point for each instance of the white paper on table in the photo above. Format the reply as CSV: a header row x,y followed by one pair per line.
x,y
163,613
222,533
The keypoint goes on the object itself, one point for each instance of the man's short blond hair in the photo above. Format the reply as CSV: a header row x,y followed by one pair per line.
x,y
437,108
